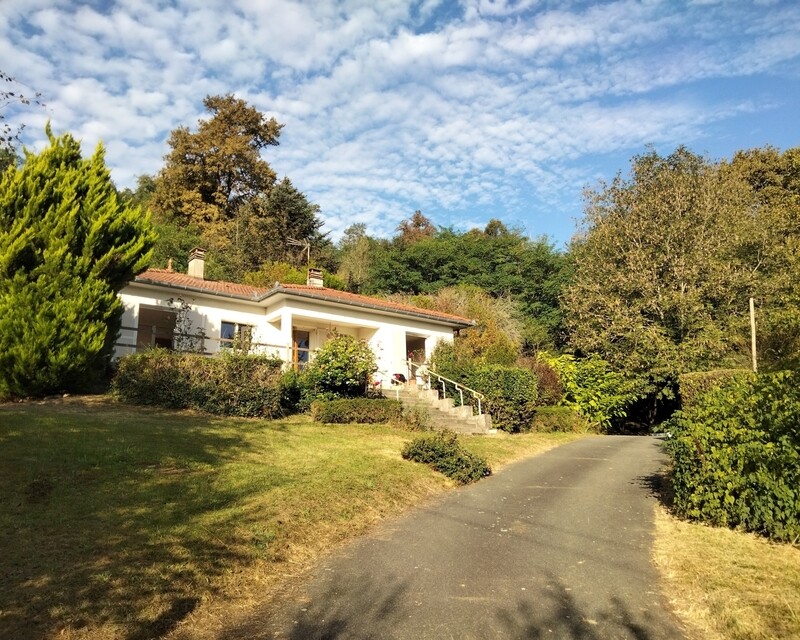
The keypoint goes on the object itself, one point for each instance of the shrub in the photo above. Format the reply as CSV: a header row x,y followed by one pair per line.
x,y
360,410
154,377
511,394
234,384
736,456
291,389
238,385
693,385
551,391
558,420
341,368
592,388
443,453
449,362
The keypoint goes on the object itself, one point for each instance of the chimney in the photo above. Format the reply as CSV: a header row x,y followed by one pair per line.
x,y
314,278
197,262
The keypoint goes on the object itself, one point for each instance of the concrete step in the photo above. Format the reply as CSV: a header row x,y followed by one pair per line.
x,y
442,412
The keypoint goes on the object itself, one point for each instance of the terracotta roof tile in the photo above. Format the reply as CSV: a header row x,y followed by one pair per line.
x,y
181,280
173,278
345,296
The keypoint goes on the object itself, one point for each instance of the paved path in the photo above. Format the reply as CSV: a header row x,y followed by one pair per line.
x,y
556,546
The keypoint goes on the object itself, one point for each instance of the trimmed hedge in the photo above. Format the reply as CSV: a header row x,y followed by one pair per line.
x,y
233,384
558,420
442,451
511,394
360,410
736,455
693,385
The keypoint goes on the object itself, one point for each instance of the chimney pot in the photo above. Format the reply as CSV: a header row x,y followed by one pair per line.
x,y
197,263
315,278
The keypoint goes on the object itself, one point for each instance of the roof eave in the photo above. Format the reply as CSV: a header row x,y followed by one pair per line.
x,y
465,324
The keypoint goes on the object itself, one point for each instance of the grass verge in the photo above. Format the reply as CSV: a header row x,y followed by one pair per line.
x,y
134,523
727,584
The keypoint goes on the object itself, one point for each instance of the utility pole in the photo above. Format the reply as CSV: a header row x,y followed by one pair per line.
x,y
753,334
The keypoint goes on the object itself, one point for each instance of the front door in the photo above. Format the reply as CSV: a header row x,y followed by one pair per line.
x,y
301,341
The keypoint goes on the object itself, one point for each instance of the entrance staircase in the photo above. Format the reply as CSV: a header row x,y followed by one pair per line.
x,y
442,412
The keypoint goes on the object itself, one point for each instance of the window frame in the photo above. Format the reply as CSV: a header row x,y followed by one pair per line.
x,y
241,332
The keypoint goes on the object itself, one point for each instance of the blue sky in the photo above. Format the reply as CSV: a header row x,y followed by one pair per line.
x,y
467,110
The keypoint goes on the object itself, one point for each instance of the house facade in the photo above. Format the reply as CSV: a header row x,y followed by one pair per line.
x,y
175,310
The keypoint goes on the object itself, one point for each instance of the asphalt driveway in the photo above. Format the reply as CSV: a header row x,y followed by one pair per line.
x,y
556,546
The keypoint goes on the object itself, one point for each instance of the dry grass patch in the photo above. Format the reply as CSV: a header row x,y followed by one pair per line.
x,y
504,448
130,522
729,585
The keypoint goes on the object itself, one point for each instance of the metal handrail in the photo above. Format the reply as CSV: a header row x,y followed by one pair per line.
x,y
457,385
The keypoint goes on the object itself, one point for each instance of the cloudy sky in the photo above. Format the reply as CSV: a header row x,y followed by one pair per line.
x,y
465,109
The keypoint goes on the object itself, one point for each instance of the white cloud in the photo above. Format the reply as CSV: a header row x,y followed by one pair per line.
x,y
497,109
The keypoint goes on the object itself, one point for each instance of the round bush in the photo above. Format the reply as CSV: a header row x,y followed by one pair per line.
x,y
443,452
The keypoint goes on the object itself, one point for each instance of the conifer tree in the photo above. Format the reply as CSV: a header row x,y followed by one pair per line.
x,y
67,246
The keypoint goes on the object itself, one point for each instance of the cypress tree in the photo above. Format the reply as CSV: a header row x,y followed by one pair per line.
x,y
67,246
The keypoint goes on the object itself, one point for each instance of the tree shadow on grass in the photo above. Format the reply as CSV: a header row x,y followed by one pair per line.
x,y
116,519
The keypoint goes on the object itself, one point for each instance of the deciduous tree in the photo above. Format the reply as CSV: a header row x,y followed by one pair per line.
x,y
663,269
11,93
210,173
355,256
415,229
772,240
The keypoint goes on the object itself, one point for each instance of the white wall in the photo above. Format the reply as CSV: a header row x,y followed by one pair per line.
x,y
206,314
273,325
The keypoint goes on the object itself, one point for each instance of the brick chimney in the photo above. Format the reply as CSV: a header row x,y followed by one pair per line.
x,y
314,278
197,262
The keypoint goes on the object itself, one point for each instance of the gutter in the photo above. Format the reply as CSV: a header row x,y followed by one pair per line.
x,y
364,305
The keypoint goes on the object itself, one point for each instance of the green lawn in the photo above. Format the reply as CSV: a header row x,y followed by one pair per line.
x,y
125,522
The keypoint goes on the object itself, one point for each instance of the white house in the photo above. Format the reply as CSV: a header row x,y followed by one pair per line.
x,y
289,321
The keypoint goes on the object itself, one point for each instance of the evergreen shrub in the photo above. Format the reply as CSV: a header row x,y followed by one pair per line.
x,y
511,395
291,387
68,244
233,384
442,451
359,410
736,456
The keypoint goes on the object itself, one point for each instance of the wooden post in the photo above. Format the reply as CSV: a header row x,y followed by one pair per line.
x,y
753,334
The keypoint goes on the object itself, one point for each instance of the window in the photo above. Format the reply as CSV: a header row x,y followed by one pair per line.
x,y
236,335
